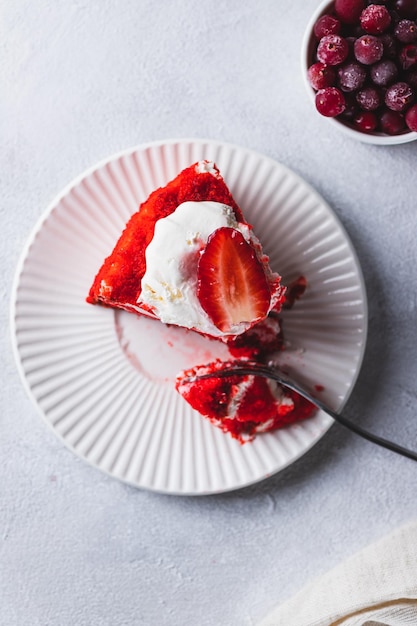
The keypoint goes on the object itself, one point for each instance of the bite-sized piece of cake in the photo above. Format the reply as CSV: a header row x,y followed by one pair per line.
x,y
294,291
242,405
260,341
188,257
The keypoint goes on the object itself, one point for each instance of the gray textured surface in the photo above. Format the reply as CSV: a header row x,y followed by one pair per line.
x,y
81,80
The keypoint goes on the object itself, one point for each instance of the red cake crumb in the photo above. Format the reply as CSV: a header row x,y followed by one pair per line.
x,y
241,405
294,291
259,342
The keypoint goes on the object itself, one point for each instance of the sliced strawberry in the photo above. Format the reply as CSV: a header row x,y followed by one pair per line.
x,y
232,286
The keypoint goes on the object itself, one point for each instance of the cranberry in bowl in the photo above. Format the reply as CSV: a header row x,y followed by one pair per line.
x,y
359,63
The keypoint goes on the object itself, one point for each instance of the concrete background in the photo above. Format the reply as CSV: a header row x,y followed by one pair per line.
x,y
81,80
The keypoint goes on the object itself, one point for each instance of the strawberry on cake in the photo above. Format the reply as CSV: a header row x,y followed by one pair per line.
x,y
188,257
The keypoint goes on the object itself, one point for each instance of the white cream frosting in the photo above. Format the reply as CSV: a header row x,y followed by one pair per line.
x,y
169,285
203,167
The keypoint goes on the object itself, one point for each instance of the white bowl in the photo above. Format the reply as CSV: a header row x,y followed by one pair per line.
x,y
308,43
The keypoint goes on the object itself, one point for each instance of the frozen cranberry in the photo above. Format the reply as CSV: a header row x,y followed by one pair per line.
x,y
399,96
390,45
366,121
406,31
326,25
391,122
351,76
408,56
375,19
330,102
411,118
383,73
332,49
406,8
368,98
321,76
348,11
368,49
411,78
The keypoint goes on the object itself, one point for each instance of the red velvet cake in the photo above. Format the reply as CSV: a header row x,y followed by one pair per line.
x,y
188,257
241,405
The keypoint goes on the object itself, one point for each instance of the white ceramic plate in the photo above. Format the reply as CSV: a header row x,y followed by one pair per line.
x,y
103,380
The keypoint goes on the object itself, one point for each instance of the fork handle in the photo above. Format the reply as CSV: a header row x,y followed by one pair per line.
x,y
266,372
365,434
347,423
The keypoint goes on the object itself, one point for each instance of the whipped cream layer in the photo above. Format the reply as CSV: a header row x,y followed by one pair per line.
x,y
169,285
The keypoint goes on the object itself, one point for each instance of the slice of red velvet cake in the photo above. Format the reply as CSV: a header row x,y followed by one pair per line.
x,y
242,405
188,257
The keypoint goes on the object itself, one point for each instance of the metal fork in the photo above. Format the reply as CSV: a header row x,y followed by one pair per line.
x,y
232,368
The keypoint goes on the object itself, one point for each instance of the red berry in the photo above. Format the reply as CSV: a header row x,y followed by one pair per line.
x,y
399,96
321,76
375,19
368,98
348,11
411,118
232,286
366,121
411,78
368,49
406,8
408,56
383,73
351,76
332,49
406,31
330,102
392,122
326,25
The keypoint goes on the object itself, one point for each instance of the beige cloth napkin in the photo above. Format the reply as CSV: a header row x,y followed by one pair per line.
x,y
377,587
